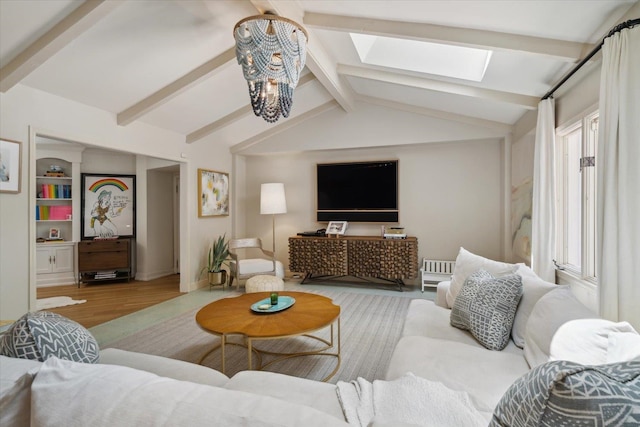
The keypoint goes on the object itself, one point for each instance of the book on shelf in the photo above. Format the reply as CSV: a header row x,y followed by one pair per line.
x,y
55,191
57,213
395,236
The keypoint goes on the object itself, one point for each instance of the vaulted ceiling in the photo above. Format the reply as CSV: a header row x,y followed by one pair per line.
x,y
171,63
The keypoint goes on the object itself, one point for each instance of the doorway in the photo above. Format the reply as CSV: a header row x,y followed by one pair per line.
x,y
174,168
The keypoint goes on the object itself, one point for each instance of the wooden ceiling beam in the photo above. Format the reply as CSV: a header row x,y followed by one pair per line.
x,y
525,101
439,114
176,87
64,32
283,126
235,116
559,49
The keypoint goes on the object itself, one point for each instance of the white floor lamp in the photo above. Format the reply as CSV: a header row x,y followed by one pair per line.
x,y
273,201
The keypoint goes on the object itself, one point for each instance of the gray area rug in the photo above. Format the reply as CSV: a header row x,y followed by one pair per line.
x,y
370,328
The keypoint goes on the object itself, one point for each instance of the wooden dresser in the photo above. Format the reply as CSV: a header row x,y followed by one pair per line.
x,y
100,260
358,256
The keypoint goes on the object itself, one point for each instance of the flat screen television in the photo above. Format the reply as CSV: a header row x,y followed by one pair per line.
x,y
358,191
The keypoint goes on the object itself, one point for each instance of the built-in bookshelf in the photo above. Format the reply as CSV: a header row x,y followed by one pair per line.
x,y
54,199
57,211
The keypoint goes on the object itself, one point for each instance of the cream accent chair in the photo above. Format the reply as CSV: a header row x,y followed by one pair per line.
x,y
244,268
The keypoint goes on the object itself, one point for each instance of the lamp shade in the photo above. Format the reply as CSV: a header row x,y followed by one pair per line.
x,y
272,199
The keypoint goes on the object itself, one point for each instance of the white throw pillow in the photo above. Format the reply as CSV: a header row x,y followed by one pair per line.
x,y
585,341
623,347
75,394
553,310
468,263
16,376
534,289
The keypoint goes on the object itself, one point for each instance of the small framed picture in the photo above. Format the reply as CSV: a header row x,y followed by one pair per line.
x,y
54,234
10,172
337,227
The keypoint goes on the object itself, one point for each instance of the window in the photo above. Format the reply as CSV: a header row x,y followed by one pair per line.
x,y
576,147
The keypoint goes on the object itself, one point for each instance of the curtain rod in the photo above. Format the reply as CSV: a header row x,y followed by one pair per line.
x,y
628,24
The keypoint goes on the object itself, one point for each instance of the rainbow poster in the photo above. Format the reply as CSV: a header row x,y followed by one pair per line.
x,y
108,206
117,183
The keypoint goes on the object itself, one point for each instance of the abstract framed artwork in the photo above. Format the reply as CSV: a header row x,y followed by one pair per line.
x,y
213,193
10,160
108,206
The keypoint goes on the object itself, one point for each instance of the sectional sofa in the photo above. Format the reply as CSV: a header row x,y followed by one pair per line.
x,y
127,388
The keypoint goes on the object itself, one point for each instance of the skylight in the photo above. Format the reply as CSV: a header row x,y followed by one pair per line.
x,y
424,57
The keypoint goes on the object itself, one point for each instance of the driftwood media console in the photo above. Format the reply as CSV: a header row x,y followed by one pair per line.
x,y
392,260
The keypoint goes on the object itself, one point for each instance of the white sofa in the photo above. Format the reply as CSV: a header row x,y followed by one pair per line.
x,y
433,349
128,388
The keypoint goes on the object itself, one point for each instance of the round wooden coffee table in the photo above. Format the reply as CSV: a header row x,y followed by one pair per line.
x,y
233,316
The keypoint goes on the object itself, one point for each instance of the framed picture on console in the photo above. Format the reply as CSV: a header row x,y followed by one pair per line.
x,y
10,152
108,206
337,227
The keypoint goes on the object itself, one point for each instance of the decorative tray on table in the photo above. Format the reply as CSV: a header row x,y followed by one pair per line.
x,y
264,306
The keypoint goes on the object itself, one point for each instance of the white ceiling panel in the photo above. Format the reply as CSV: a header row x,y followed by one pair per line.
x,y
23,22
203,103
140,60
136,50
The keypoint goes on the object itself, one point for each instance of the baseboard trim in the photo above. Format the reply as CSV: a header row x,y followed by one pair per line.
x,y
144,277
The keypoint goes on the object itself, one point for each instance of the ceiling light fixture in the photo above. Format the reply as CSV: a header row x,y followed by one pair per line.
x,y
272,51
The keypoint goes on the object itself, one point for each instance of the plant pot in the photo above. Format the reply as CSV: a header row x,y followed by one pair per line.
x,y
218,277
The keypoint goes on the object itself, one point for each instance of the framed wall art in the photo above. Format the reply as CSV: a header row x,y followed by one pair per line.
x,y
10,161
213,193
108,206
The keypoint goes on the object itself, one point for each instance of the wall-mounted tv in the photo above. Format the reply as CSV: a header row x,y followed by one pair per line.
x,y
358,191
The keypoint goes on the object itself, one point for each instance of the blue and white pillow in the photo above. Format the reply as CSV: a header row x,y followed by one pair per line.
x,y
562,393
486,307
42,334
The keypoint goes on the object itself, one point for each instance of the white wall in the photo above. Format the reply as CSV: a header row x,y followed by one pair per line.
x,y
582,94
450,195
368,126
159,259
111,162
521,197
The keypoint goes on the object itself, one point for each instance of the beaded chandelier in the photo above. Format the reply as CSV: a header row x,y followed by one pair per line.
x,y
272,52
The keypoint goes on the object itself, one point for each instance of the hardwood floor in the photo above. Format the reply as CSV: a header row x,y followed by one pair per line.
x,y
110,300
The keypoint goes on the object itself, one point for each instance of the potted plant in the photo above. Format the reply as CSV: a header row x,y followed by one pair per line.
x,y
218,254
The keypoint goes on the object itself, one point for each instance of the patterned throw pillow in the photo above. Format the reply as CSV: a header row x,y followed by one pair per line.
x,y
563,393
42,334
486,306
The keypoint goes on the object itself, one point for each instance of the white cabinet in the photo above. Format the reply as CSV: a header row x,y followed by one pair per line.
x,y
55,264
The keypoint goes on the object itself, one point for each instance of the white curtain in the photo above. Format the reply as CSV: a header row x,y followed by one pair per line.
x,y
618,163
543,222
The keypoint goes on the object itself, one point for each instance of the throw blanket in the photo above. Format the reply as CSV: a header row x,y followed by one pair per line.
x,y
408,400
